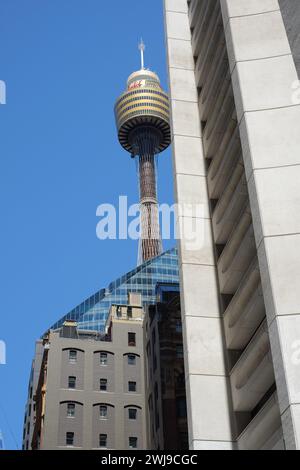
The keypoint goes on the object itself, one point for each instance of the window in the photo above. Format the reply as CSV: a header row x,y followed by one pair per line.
x,y
103,385
72,381
119,311
131,359
70,439
103,412
132,386
132,412
72,356
181,407
178,326
131,339
102,440
129,312
71,410
133,442
179,351
103,359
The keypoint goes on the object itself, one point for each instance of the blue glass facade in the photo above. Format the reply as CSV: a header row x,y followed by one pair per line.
x,y
92,313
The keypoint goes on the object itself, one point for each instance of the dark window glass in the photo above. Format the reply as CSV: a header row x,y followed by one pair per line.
x,y
181,407
131,359
102,440
103,411
132,412
70,438
132,386
103,359
71,410
72,381
179,351
72,356
131,339
103,385
133,442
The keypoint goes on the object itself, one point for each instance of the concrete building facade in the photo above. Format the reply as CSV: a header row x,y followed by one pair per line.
x,y
91,388
235,107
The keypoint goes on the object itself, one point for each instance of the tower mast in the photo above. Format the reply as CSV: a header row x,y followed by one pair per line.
x,y
142,48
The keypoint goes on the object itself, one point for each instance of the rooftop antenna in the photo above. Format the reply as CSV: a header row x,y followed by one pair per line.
x,y
142,48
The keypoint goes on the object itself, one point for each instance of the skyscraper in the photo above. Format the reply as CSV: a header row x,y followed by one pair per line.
x,y
234,86
142,117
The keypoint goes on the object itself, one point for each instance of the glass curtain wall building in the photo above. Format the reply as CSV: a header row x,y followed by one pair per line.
x,y
92,313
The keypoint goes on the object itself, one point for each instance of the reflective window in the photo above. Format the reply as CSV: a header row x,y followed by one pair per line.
x,y
103,411
72,381
72,356
71,410
69,438
102,440
103,358
131,386
133,442
132,412
103,385
131,359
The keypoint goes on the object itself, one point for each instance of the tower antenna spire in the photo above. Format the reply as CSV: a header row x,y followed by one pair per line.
x,y
142,48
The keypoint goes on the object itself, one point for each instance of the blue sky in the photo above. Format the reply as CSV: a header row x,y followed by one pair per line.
x,y
64,63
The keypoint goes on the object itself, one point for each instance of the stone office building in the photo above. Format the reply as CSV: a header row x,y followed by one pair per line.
x,y
91,389
234,68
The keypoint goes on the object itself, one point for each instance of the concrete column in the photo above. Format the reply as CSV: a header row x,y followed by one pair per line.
x,y
263,76
208,396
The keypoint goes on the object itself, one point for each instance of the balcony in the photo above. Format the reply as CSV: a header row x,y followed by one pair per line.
x,y
201,25
217,124
195,10
230,204
264,431
209,43
226,158
253,374
237,254
245,311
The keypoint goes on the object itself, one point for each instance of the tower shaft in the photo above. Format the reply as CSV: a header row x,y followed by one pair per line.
x,y
145,141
